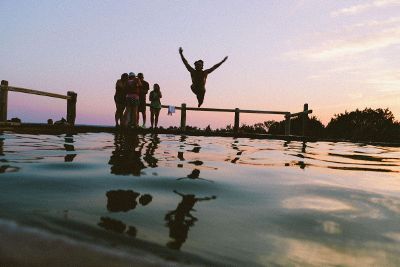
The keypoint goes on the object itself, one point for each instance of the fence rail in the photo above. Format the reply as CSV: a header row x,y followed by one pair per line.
x,y
35,92
183,108
71,98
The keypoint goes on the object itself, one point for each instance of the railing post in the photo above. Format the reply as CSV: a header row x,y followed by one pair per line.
x,y
236,125
183,117
305,119
3,100
71,107
287,123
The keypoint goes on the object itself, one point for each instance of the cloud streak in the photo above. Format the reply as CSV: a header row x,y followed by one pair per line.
x,y
347,47
356,9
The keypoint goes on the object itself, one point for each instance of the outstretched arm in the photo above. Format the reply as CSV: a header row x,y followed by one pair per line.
x,y
216,65
189,68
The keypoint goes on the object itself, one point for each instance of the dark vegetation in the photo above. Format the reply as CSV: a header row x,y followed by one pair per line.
x,y
376,125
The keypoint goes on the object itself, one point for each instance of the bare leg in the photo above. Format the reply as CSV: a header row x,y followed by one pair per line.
x,y
152,117
144,117
200,97
157,112
134,115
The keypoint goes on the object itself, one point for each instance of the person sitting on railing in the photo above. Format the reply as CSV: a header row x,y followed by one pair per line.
x,y
119,99
155,105
199,76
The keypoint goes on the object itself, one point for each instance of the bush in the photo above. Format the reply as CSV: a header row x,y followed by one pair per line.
x,y
366,125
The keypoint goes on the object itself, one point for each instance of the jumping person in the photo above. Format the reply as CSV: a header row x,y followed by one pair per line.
x,y
119,99
199,76
155,105
142,98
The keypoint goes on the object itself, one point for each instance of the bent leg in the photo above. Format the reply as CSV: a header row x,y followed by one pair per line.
x,y
200,97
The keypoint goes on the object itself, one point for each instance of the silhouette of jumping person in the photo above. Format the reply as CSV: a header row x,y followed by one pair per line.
x,y
180,220
199,76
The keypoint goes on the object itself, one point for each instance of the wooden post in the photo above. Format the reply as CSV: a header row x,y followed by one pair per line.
x,y
183,117
236,125
71,107
287,124
305,119
3,100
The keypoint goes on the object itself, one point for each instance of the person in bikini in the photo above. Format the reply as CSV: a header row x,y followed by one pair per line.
x,y
132,100
199,76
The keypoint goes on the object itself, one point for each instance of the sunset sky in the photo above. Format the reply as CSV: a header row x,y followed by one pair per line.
x,y
333,55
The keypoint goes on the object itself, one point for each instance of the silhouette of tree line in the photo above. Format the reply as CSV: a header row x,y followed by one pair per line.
x,y
359,125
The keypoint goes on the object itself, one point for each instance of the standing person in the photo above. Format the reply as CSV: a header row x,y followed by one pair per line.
x,y
142,98
120,99
132,99
155,105
199,76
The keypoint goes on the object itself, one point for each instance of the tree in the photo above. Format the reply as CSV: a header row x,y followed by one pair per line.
x,y
314,127
366,125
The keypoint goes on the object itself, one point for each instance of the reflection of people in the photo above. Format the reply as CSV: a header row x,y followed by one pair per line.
x,y
180,220
119,99
155,105
125,159
142,98
150,150
199,76
121,200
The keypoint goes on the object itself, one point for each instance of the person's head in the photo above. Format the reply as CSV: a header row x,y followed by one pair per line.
x,y
198,65
124,76
140,76
131,75
156,87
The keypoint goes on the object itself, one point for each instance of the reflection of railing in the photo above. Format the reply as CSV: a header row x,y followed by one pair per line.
x,y
237,111
70,97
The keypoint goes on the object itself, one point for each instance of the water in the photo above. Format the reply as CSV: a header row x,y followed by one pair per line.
x,y
206,200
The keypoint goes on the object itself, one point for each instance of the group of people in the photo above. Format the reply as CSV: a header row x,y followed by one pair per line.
x,y
131,91
130,100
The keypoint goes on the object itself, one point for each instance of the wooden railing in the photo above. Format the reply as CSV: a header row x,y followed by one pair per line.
x,y
183,108
71,98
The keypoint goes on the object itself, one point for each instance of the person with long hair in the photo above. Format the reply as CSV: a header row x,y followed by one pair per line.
x,y
155,105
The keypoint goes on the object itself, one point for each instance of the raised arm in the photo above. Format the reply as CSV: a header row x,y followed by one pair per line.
x,y
189,68
216,66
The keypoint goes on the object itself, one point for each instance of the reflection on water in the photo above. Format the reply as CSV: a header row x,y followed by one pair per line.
x,y
126,158
181,219
276,203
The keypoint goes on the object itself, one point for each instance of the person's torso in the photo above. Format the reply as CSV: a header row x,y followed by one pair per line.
x,y
155,99
199,78
144,89
132,87
120,88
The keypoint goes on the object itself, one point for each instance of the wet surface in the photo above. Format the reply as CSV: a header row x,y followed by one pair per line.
x,y
235,201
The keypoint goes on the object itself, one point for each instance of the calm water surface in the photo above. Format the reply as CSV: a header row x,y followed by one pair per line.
x,y
229,201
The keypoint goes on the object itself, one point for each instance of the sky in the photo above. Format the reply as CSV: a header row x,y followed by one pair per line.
x,y
333,55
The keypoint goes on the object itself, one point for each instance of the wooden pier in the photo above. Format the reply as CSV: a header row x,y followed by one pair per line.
x,y
71,98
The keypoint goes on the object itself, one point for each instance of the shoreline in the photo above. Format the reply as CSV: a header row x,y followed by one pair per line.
x,y
41,128
31,246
